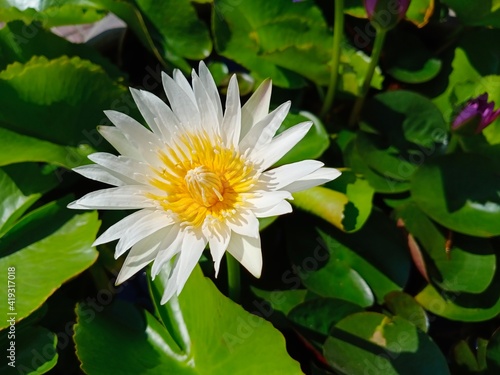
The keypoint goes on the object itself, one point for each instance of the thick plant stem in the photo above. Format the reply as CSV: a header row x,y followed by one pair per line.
x,y
233,277
360,101
338,31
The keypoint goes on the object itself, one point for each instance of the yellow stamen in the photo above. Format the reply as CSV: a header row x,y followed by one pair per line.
x,y
202,179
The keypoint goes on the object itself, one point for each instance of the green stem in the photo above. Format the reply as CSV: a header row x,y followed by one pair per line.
x,y
338,31
233,277
377,49
453,144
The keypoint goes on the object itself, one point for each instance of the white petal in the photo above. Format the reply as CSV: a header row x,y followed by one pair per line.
x,y
141,254
119,228
192,248
280,145
284,175
182,104
231,124
157,114
211,88
123,197
183,83
269,199
101,174
319,177
123,165
256,107
208,113
263,132
247,251
244,223
284,207
218,244
118,140
142,228
141,138
170,246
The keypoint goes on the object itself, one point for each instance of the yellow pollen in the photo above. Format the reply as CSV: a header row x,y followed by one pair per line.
x,y
202,180
204,186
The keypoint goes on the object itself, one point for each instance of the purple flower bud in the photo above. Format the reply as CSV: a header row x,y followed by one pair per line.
x,y
477,113
385,14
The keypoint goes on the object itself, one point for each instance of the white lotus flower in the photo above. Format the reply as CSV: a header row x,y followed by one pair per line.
x,y
197,177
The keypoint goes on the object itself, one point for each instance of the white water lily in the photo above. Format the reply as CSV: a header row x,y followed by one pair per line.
x,y
198,176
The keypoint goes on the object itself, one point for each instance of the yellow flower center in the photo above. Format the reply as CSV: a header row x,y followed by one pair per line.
x,y
201,178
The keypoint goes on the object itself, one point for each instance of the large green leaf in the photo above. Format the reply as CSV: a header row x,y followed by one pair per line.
x,y
280,39
468,265
34,350
409,59
50,13
170,29
372,343
465,307
380,182
47,247
59,100
213,335
320,314
493,353
20,187
17,45
341,265
476,13
461,192
17,148
402,130
405,306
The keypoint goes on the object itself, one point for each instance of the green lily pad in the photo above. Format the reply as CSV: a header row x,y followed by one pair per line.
x,y
402,131
409,59
50,13
17,148
20,186
282,300
35,350
380,183
461,192
320,314
469,265
203,333
42,95
483,13
467,307
17,44
405,306
50,238
341,265
282,40
466,360
373,343
493,353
